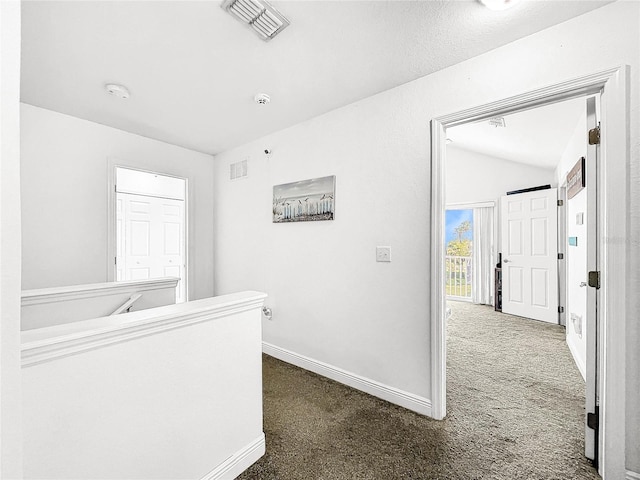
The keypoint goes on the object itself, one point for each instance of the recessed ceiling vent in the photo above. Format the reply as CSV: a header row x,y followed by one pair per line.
x,y
265,20
497,122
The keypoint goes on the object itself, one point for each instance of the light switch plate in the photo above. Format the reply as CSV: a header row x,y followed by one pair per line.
x,y
383,254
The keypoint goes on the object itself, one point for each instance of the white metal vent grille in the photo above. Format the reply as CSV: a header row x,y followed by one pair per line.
x,y
265,20
497,122
238,170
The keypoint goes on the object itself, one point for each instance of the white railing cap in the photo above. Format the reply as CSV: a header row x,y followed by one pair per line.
x,y
58,294
58,341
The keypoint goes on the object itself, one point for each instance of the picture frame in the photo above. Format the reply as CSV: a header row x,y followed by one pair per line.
x,y
305,200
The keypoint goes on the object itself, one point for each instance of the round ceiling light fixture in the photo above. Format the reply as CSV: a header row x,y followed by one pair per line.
x,y
116,90
498,4
262,98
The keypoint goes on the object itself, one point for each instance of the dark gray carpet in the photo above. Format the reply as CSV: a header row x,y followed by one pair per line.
x,y
515,407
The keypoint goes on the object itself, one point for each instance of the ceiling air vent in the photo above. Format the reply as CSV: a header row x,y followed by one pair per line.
x,y
265,20
497,122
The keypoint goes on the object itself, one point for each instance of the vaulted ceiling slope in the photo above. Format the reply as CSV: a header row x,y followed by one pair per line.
x,y
536,137
193,70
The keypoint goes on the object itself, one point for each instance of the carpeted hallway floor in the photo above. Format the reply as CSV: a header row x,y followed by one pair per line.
x,y
515,407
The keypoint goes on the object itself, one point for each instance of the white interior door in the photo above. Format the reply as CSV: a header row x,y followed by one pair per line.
x,y
529,246
150,239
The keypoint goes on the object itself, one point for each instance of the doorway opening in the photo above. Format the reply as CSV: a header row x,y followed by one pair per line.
x,y
520,345
150,216
611,314
470,251
458,264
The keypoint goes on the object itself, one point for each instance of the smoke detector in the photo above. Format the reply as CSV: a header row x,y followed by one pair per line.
x,y
119,91
497,122
265,20
262,98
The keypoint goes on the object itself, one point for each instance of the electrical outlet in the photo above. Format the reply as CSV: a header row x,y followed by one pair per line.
x,y
383,254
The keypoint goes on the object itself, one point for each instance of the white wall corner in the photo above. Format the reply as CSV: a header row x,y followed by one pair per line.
x,y
393,395
11,431
239,461
579,361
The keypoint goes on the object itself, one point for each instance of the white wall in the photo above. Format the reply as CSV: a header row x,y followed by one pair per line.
x,y
64,198
331,301
576,256
10,387
474,177
168,393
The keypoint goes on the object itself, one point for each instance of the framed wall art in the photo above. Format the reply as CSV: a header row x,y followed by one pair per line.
x,y
305,201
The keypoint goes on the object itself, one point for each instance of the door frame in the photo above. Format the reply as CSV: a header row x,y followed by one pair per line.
x,y
562,249
613,186
113,164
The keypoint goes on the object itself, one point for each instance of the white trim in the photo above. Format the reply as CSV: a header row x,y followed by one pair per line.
x,y
470,205
390,394
632,475
613,243
437,276
149,195
239,461
576,359
91,290
60,341
112,164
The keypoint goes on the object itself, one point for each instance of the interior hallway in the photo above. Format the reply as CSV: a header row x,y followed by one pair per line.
x,y
515,409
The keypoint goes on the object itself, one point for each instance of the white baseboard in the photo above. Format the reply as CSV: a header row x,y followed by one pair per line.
x,y
239,461
578,361
390,394
632,475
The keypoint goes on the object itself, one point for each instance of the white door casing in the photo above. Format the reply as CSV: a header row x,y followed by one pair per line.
x,y
529,231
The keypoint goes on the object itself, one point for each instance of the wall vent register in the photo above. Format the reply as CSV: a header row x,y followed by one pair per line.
x,y
238,170
265,20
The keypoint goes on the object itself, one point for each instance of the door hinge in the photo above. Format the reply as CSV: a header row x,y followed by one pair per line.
x,y
115,260
594,279
560,309
593,419
560,203
594,136
561,256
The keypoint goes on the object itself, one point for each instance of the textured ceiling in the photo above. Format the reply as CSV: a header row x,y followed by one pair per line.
x,y
535,137
193,70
